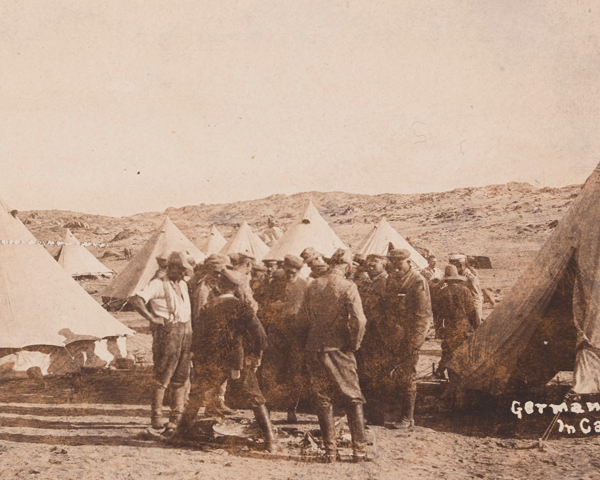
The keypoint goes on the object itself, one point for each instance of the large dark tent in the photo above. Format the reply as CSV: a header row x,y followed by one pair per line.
x,y
550,319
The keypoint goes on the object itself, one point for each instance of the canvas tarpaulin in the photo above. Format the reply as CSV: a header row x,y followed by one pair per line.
x,y
550,319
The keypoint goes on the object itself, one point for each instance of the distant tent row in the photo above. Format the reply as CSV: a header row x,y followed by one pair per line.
x,y
77,260
310,230
47,320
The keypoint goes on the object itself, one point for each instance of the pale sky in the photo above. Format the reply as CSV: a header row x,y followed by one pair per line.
x,y
233,100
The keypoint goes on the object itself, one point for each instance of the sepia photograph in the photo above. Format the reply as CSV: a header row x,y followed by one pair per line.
x,y
299,240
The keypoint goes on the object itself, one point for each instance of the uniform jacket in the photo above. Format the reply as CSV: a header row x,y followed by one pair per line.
x,y
333,313
408,309
218,339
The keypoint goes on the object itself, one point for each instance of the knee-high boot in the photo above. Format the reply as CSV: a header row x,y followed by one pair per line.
x,y
356,423
158,396
408,409
327,424
178,396
263,419
189,414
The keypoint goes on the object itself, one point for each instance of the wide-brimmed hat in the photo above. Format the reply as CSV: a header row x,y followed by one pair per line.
x,y
236,279
239,257
376,256
341,256
180,259
217,262
457,256
309,254
293,261
398,253
451,273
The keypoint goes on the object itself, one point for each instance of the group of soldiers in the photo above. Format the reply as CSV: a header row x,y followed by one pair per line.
x,y
350,333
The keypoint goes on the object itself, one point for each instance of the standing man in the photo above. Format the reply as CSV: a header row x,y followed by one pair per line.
x,y
204,288
431,272
458,315
284,359
315,262
373,357
460,262
165,303
220,354
336,325
408,308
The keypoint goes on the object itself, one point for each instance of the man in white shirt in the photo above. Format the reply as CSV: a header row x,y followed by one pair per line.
x,y
165,303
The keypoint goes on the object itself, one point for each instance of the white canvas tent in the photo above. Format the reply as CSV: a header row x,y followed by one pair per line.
x,y
310,230
550,319
46,318
245,241
142,267
378,240
216,241
77,260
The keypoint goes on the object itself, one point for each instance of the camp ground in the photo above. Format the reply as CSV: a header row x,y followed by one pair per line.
x,y
519,358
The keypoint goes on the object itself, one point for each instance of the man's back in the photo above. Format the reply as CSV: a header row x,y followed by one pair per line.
x,y
335,315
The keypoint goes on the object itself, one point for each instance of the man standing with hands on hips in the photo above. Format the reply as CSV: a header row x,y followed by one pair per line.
x,y
165,303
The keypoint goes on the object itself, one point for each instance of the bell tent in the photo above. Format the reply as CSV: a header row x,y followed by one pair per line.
x,y
378,240
216,241
77,260
310,230
550,319
143,266
245,241
47,320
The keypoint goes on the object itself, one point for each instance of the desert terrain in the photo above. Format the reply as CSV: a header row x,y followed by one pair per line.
x,y
93,425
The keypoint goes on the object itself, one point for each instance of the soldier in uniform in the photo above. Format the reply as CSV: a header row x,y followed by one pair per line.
x,y
373,356
460,262
409,317
457,313
336,326
219,354
282,366
315,262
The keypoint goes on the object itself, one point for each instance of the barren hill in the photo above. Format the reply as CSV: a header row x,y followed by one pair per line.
x,y
506,222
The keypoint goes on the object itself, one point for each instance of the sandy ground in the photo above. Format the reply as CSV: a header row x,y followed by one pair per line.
x,y
92,426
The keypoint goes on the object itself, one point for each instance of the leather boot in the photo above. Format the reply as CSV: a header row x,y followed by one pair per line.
x,y
327,424
264,422
187,418
178,395
356,424
158,397
291,415
408,410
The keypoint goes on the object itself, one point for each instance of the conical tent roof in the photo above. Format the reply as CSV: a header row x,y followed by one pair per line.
x,y
310,230
550,319
78,260
40,304
142,267
245,241
378,240
216,241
